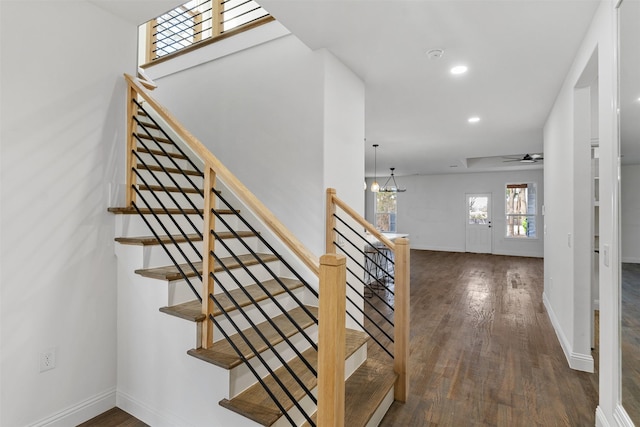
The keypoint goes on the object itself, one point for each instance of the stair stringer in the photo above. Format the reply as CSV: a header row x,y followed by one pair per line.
x,y
157,381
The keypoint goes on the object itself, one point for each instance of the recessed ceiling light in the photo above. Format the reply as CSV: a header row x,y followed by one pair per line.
x,y
459,69
473,119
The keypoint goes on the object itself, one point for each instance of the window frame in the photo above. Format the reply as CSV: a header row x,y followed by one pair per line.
x,y
375,213
535,215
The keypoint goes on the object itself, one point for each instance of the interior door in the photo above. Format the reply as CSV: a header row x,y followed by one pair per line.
x,y
478,227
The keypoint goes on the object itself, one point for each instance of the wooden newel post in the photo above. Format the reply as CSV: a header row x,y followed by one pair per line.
x,y
401,319
331,340
331,222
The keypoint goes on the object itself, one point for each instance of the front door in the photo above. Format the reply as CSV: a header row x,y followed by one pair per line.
x,y
478,219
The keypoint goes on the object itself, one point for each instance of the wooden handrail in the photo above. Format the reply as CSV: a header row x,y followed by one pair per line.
x,y
359,219
145,80
231,181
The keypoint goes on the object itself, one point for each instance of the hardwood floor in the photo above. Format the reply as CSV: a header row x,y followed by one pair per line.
x,y
630,337
483,351
114,417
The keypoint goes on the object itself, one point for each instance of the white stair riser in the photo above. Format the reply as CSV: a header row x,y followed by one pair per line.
x,y
351,364
268,306
169,180
173,199
156,255
382,410
241,377
307,405
179,290
134,225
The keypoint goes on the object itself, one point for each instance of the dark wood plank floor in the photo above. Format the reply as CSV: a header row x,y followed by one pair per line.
x,y
483,351
114,417
630,336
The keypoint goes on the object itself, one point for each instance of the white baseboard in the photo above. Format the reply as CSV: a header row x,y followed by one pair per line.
x,y
577,361
81,412
621,417
435,248
631,260
449,249
535,254
601,419
149,415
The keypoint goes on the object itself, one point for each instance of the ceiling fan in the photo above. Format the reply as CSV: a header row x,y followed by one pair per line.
x,y
527,158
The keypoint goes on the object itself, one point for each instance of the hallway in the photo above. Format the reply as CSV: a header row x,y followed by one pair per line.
x,y
483,351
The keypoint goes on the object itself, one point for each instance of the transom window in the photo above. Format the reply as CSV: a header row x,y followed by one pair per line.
x,y
196,22
520,206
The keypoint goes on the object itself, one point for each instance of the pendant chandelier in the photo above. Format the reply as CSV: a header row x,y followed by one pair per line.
x,y
386,188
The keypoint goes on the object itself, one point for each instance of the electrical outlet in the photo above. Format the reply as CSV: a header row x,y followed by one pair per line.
x,y
47,359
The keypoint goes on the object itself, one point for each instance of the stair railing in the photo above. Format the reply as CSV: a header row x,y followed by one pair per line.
x,y
378,282
331,271
213,169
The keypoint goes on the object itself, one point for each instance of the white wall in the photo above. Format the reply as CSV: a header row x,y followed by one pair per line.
x,y
61,129
571,320
433,210
343,131
277,115
630,213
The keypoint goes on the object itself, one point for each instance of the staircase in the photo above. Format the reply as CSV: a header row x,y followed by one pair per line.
x,y
246,288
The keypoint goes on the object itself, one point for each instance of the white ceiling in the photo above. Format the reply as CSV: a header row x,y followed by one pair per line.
x,y
137,11
518,53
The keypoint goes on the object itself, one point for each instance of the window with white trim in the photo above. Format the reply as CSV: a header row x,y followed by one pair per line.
x,y
520,207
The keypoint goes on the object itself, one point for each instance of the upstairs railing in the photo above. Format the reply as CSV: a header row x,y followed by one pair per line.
x,y
199,22
148,193
377,281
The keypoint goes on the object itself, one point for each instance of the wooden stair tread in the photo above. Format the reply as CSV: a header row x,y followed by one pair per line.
x,y
148,125
171,272
223,355
155,138
255,404
189,190
364,391
169,170
161,153
151,240
192,310
160,211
